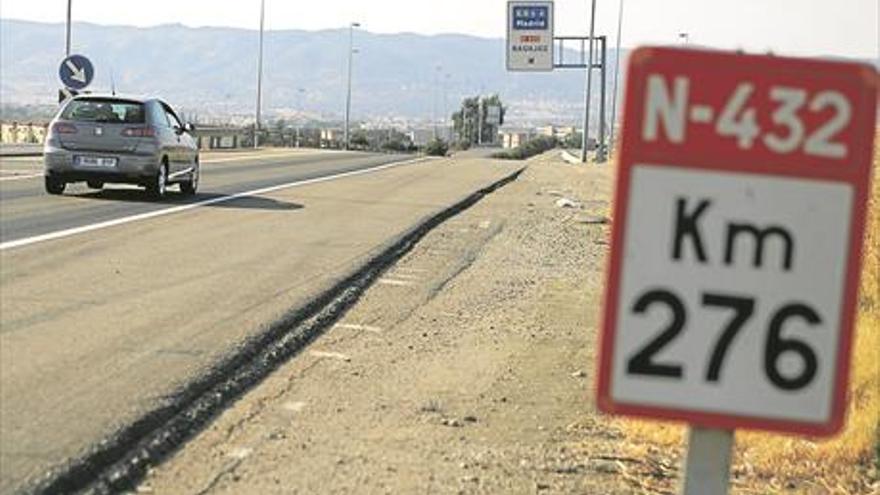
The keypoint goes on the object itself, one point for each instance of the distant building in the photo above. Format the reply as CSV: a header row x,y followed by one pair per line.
x,y
220,137
559,132
15,133
511,138
421,137
332,137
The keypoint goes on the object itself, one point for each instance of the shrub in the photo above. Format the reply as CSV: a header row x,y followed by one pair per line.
x,y
436,147
532,147
395,145
460,145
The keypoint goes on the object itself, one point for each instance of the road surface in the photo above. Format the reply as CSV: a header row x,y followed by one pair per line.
x,y
101,325
27,211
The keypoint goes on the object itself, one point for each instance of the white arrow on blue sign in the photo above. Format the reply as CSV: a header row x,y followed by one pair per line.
x,y
76,72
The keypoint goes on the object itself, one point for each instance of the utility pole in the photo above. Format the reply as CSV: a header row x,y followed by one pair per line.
x,y
616,77
259,76
480,121
434,98
67,45
446,129
585,138
301,108
348,94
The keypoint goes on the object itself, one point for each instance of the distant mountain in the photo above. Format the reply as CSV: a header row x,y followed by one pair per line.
x,y
213,70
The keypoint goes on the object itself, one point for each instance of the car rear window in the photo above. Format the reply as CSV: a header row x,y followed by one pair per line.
x,y
104,110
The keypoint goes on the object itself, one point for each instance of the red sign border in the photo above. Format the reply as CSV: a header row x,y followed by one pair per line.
x,y
858,176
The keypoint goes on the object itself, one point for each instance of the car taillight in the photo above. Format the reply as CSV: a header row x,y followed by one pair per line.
x,y
139,132
63,128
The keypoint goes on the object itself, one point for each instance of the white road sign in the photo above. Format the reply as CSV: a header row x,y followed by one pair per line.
x,y
529,36
737,236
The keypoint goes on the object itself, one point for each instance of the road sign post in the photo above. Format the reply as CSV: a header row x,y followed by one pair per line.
x,y
532,46
707,467
736,246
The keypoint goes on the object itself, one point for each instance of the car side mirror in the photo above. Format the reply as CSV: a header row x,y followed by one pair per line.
x,y
189,127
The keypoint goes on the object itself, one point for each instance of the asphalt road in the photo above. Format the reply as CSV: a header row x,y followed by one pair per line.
x,y
101,326
27,211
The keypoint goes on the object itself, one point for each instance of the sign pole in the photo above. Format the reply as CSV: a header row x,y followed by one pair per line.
x,y
585,138
602,146
614,94
259,77
67,34
707,468
480,121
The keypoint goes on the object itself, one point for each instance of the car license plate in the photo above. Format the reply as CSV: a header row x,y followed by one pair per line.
x,y
95,161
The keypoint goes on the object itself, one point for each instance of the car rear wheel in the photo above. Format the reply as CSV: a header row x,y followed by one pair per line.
x,y
159,185
95,184
54,186
189,187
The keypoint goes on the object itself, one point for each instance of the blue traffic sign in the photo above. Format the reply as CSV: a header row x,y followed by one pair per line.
x,y
530,17
76,72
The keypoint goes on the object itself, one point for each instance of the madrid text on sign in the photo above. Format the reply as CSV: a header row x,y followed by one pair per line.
x,y
530,17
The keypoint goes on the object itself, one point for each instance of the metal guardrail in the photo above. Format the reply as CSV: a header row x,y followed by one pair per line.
x,y
20,149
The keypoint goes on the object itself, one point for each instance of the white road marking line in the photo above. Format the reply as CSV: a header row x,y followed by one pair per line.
x,y
240,453
208,160
331,355
294,406
355,326
393,281
178,209
251,156
20,177
410,269
5,159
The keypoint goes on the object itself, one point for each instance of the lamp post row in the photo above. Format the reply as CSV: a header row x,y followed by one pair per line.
x,y
351,52
348,92
259,69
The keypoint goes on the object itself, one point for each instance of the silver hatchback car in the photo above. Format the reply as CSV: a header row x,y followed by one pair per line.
x,y
111,139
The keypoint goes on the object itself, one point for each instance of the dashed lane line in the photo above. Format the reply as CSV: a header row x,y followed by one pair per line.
x,y
394,281
355,326
19,177
330,355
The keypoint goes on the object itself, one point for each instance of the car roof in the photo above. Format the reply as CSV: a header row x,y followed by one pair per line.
x,y
129,98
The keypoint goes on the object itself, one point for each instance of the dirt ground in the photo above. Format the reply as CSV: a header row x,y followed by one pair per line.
x,y
468,368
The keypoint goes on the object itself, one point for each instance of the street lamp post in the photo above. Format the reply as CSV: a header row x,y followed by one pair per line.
x,y
616,77
67,44
445,109
585,138
435,98
301,108
348,93
259,76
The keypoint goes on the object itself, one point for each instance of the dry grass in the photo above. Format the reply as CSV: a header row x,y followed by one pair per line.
x,y
848,463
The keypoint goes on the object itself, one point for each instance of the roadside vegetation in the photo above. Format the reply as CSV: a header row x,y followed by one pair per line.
x,y
848,463
436,147
530,148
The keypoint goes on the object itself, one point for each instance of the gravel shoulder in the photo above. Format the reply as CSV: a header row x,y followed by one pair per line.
x,y
468,368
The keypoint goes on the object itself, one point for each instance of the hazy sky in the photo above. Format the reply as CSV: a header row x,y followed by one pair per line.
x,y
800,27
